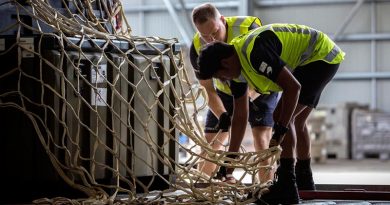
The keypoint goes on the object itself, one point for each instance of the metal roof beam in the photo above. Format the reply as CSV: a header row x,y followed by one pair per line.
x,y
188,6
362,75
274,3
364,37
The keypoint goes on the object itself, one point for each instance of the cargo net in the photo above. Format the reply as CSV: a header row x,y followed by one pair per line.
x,y
108,107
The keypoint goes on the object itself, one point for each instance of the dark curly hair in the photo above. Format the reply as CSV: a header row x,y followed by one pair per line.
x,y
210,58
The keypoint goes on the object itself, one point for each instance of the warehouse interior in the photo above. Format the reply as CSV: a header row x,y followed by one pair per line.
x,y
359,87
350,129
356,93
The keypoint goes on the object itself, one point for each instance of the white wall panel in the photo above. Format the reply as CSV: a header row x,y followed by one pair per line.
x,y
383,52
160,24
129,4
383,95
383,16
346,91
327,18
360,23
228,12
135,24
323,17
357,58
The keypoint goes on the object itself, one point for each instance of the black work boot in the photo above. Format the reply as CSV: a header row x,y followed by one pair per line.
x,y
304,175
223,171
284,191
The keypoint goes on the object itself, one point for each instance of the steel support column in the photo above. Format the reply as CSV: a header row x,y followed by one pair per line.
x,y
374,90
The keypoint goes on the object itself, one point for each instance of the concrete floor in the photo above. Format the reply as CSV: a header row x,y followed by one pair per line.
x,y
355,172
343,175
359,172
344,172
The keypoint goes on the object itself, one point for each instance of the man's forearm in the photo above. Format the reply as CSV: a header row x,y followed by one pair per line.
x,y
215,103
239,123
291,90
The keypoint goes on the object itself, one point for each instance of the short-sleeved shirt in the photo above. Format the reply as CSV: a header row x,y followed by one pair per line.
x,y
267,48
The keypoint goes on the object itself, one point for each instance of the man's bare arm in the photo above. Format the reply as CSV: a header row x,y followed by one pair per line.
x,y
239,122
291,90
215,102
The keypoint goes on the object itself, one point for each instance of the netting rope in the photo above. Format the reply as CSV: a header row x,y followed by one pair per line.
x,y
109,105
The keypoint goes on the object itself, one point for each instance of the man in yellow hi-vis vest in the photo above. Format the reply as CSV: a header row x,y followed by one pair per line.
x,y
212,26
295,59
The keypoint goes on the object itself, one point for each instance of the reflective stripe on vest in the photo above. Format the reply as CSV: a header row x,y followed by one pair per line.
x,y
297,50
319,45
333,53
316,46
256,81
307,31
233,31
236,26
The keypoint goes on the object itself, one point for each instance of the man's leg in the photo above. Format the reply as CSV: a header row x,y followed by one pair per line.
x,y
303,170
285,190
303,137
261,120
216,142
211,133
313,78
261,137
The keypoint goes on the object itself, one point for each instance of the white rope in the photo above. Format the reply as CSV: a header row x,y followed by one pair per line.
x,y
128,101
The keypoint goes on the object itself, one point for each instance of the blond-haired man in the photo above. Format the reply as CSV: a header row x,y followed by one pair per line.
x,y
224,96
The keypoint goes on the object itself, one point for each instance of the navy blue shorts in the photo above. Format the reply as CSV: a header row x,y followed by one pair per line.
x,y
260,111
313,78
212,120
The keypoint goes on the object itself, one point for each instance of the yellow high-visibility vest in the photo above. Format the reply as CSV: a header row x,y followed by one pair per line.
x,y
236,26
301,45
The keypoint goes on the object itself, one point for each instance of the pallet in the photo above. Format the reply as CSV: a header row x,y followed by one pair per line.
x,y
370,155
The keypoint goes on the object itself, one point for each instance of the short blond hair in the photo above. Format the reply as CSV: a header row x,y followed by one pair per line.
x,y
204,12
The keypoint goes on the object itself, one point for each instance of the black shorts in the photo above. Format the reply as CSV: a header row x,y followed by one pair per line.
x,y
260,111
313,78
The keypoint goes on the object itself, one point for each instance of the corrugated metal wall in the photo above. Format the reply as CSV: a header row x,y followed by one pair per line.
x,y
364,76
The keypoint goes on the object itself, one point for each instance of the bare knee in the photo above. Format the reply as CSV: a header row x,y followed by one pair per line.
x,y
216,140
